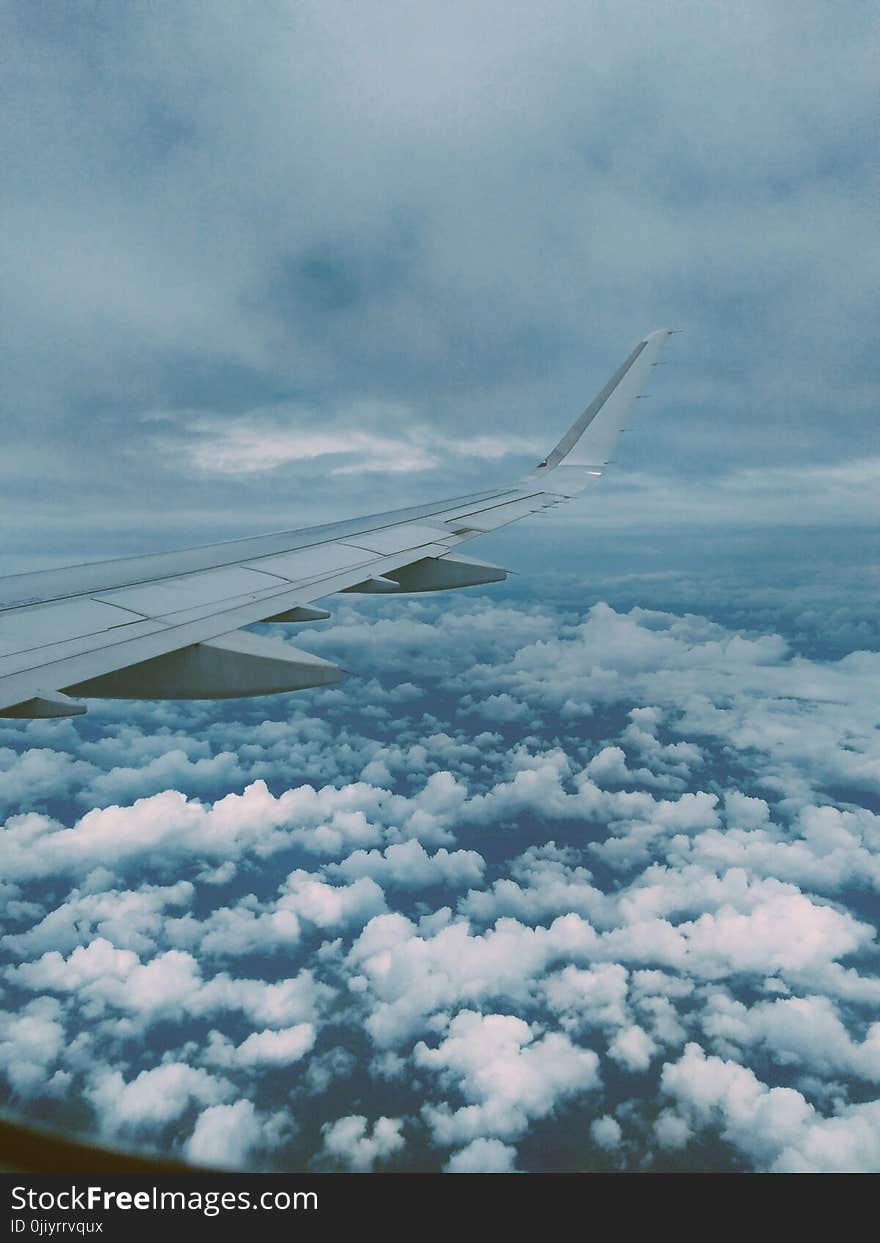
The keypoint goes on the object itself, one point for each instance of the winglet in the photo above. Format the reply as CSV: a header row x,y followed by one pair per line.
x,y
591,438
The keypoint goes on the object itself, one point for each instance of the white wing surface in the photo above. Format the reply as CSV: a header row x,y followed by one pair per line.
x,y
169,626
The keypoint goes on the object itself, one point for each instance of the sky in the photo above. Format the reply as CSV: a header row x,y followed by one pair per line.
x,y
579,872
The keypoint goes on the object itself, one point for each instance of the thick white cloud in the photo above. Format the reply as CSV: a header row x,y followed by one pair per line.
x,y
281,1047
30,1043
174,829
776,1127
225,1135
506,1074
671,1130
120,837
242,929
408,865
589,997
705,682
331,906
351,1142
102,975
154,1097
632,1048
849,1143
834,848
36,775
409,977
171,769
786,932
170,985
483,1156
541,882
281,1003
606,1132
684,884
806,1031
130,919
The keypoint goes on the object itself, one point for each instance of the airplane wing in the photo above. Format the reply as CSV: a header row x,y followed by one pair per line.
x,y
170,626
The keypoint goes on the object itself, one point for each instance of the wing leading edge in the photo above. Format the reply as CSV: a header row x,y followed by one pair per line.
x,y
169,626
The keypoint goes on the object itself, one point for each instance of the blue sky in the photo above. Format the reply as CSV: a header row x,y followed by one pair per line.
x,y
577,873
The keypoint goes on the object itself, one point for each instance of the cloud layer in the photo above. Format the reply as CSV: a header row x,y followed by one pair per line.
x,y
601,885
415,243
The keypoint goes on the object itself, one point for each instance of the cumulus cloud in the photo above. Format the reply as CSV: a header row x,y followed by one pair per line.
x,y
408,865
352,1143
225,1135
36,775
30,1043
322,822
241,929
129,919
606,1132
632,1048
585,998
776,1127
483,1156
806,1031
507,1076
152,1098
671,1130
279,1047
330,906
410,976
492,926
169,985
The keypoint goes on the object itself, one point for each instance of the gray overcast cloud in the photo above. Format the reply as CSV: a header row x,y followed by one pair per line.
x,y
253,251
